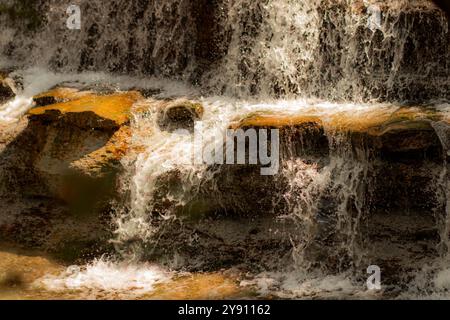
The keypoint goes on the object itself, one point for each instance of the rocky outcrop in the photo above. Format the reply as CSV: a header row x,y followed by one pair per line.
x,y
109,111
60,167
376,173
7,89
178,114
59,171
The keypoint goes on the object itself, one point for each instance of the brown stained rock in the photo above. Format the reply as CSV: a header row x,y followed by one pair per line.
x,y
84,141
299,134
7,89
111,153
67,155
19,267
70,150
274,121
58,95
178,114
391,130
404,131
111,110
9,131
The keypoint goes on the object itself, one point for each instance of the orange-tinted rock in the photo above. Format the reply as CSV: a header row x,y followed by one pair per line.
x,y
113,110
274,121
70,150
391,130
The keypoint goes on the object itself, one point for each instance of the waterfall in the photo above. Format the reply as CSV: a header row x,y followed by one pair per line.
x,y
443,187
240,47
362,70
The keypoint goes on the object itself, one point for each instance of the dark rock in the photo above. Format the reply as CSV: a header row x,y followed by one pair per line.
x,y
6,90
179,114
444,5
58,173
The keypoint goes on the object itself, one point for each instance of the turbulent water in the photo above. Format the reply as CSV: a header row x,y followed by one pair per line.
x,y
238,57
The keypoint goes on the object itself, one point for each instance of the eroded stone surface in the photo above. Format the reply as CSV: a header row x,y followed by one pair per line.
x,y
113,110
178,114
7,89
68,155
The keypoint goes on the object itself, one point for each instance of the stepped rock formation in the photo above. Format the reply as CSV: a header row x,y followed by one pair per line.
x,y
100,161
64,158
393,160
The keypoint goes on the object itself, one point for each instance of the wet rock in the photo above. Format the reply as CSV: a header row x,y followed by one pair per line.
x,y
179,114
58,95
400,150
82,140
67,155
7,89
299,134
397,61
24,14
212,39
444,5
88,110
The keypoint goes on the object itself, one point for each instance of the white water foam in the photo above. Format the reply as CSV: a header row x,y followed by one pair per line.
x,y
120,278
303,285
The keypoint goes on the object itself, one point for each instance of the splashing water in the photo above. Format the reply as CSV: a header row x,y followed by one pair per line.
x,y
116,278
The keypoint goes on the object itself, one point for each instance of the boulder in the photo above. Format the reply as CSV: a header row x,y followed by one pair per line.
x,y
58,95
7,89
84,136
90,110
59,170
178,114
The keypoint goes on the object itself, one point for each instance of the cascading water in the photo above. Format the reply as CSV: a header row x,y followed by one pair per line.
x,y
266,48
237,58
443,188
